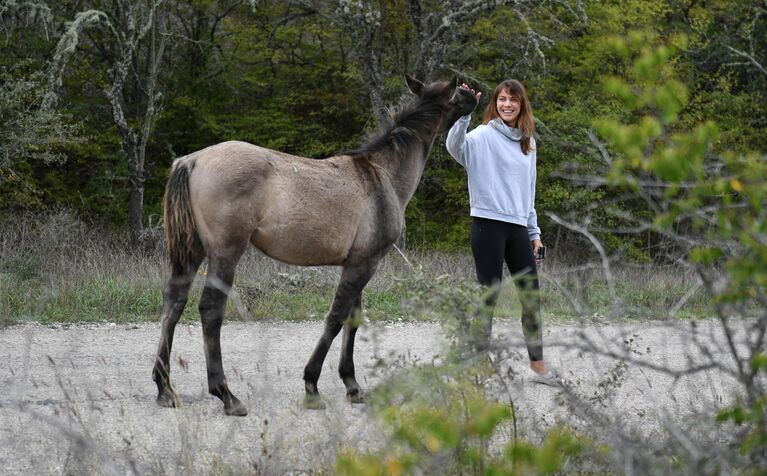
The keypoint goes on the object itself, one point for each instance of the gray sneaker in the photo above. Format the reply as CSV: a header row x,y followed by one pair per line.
x,y
550,378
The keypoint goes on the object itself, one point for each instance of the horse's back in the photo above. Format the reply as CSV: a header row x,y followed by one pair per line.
x,y
235,161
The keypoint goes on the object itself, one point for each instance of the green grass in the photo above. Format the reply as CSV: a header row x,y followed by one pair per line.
x,y
310,304
88,300
56,269
116,298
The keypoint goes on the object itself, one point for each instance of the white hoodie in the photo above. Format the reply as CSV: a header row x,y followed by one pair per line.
x,y
501,177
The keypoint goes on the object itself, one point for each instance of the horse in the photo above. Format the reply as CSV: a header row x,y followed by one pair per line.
x,y
346,210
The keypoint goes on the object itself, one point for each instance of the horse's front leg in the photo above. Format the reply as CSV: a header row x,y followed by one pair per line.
x,y
346,365
353,280
212,308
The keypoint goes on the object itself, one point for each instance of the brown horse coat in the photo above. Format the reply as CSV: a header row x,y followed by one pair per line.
x,y
296,210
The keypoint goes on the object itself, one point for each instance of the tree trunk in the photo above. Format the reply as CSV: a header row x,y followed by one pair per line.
x,y
136,208
135,141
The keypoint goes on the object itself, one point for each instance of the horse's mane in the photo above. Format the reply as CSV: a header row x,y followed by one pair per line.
x,y
404,129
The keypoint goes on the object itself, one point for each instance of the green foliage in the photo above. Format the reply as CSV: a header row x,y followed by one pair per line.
x,y
99,300
30,135
547,458
710,206
296,98
438,417
752,416
449,429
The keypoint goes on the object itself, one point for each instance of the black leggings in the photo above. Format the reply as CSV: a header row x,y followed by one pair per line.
x,y
492,243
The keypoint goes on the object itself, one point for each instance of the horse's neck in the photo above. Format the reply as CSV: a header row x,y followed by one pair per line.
x,y
405,167
403,154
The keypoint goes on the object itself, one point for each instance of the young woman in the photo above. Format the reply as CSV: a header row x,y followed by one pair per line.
x,y
499,158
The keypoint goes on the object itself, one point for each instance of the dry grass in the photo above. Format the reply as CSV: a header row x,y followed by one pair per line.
x,y
56,268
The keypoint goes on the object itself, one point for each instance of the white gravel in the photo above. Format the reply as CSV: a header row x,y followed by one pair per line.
x,y
80,399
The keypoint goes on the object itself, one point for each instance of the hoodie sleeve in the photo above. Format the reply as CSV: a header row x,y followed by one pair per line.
x,y
457,142
532,220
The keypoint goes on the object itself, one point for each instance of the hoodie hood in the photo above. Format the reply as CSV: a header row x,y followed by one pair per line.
x,y
511,132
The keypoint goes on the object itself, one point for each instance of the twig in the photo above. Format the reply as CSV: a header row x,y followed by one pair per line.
x,y
683,300
404,257
750,59
600,147
602,253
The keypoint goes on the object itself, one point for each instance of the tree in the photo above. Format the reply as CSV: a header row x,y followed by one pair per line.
x,y
128,41
30,132
418,37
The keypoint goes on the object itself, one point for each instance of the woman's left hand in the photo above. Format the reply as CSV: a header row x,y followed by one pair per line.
x,y
537,244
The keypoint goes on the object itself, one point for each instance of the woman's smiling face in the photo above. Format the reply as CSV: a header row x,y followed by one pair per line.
x,y
508,107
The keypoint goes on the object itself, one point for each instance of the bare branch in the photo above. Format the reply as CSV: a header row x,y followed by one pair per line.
x,y
66,47
750,59
35,12
602,253
600,147
683,300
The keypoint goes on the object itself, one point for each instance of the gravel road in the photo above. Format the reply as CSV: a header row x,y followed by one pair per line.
x,y
80,399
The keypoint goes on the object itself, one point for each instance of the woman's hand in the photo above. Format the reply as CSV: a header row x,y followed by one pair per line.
x,y
468,88
537,244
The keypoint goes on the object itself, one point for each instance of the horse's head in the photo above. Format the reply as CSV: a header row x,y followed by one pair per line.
x,y
454,102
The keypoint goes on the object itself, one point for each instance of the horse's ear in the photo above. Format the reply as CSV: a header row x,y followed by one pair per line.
x,y
415,86
452,85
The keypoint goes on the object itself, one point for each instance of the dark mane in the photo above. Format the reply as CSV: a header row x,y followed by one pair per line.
x,y
404,129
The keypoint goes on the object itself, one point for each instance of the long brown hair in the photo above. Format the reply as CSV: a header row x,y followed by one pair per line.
x,y
525,121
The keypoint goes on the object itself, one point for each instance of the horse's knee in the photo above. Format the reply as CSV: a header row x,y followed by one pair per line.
x,y
174,309
175,297
211,330
333,325
212,299
211,322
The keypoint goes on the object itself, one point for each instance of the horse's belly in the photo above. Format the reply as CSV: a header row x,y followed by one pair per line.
x,y
301,246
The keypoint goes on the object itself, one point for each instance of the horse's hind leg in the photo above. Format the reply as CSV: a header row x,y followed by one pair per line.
x,y
175,295
353,280
212,308
346,365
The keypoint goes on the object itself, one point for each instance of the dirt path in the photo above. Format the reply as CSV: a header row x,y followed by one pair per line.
x,y
81,399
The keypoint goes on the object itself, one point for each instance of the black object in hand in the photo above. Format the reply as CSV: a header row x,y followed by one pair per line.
x,y
541,253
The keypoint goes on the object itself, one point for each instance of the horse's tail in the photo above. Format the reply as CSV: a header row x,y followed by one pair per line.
x,y
181,238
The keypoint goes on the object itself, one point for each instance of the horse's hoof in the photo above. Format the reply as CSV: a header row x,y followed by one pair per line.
x,y
355,396
313,402
167,399
234,407
236,410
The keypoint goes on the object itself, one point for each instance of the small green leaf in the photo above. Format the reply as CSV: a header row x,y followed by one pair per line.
x,y
705,255
737,414
759,362
484,421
